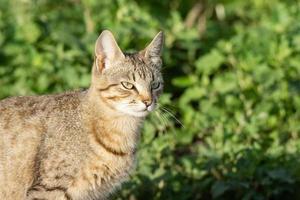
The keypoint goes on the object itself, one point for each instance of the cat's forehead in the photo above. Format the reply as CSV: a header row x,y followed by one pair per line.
x,y
134,68
136,63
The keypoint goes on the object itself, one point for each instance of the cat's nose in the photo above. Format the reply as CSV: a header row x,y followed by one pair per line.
x,y
147,102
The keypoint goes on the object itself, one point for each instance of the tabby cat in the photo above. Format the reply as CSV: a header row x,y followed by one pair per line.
x,y
80,145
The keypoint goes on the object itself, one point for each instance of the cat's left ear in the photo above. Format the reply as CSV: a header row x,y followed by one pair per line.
x,y
154,50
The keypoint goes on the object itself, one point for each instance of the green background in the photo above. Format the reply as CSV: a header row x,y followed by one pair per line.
x,y
232,73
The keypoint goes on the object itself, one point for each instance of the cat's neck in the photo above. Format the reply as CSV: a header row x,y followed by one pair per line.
x,y
117,132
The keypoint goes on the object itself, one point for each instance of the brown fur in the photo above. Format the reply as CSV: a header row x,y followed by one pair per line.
x,y
77,145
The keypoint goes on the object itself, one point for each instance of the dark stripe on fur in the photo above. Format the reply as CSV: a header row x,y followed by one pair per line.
x,y
110,150
108,87
118,97
38,187
107,148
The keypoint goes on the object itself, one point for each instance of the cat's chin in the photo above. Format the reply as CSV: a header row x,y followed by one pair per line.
x,y
133,113
142,113
137,114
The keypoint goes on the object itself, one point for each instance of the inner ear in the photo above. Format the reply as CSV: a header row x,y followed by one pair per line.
x,y
107,50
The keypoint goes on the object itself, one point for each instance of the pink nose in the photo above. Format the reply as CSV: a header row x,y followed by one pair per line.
x,y
147,102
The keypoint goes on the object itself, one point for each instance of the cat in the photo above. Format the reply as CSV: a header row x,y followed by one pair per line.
x,y
80,145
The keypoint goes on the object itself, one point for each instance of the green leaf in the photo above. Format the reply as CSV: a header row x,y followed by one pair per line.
x,y
185,81
210,62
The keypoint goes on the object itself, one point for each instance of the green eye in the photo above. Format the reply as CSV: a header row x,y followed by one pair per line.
x,y
155,85
127,85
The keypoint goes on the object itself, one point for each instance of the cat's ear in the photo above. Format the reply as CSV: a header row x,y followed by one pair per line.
x,y
107,50
154,50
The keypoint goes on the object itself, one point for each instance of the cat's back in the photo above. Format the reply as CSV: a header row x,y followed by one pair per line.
x,y
17,112
28,107
30,116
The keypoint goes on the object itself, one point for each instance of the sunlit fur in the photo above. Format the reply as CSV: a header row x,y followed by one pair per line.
x,y
80,145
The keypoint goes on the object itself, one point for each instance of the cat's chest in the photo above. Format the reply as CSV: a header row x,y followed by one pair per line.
x,y
101,175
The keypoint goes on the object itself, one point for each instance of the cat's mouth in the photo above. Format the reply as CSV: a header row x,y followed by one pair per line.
x,y
138,110
144,112
138,113
141,113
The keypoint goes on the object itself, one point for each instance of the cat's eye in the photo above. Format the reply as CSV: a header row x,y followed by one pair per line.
x,y
127,85
155,85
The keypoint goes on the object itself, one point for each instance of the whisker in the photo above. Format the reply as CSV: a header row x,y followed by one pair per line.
x,y
157,116
161,119
162,113
172,115
171,107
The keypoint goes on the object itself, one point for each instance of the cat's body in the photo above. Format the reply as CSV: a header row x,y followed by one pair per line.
x,y
76,145
59,141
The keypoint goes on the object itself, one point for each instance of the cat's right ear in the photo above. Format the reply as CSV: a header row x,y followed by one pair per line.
x,y
106,50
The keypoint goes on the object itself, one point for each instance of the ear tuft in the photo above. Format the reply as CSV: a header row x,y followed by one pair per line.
x,y
107,49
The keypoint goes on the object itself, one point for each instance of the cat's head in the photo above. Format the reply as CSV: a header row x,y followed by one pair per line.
x,y
128,83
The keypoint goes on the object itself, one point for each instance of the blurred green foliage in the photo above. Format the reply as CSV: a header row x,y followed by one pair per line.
x,y
232,72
